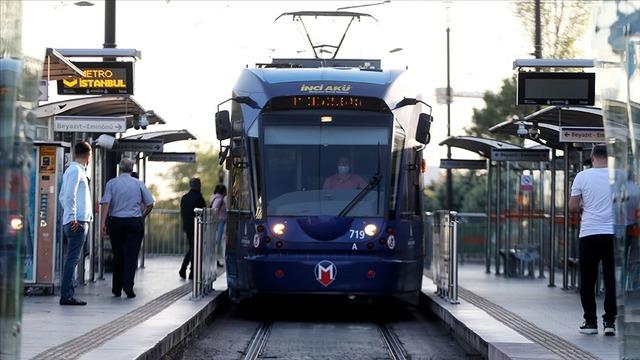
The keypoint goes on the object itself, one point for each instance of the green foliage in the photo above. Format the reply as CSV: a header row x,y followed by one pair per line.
x,y
206,168
499,107
469,192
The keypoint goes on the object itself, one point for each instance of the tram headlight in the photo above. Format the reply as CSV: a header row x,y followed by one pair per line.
x,y
16,223
278,229
370,229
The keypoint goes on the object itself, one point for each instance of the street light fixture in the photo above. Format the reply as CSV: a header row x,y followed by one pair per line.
x,y
83,3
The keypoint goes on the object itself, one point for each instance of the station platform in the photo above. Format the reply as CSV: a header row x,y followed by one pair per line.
x,y
501,318
117,328
520,318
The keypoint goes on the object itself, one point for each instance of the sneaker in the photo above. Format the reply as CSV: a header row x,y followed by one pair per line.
x,y
72,301
610,328
220,264
183,274
588,328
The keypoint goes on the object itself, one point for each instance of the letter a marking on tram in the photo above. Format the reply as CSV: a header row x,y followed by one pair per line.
x,y
354,247
326,272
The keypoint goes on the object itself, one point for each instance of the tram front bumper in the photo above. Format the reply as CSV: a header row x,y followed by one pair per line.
x,y
336,274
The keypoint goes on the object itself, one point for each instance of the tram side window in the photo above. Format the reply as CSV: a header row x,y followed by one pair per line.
x,y
396,166
257,182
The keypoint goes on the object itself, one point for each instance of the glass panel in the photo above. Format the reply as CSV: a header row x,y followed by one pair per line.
x,y
313,169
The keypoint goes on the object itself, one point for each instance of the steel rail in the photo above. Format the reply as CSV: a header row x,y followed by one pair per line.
x,y
258,342
392,343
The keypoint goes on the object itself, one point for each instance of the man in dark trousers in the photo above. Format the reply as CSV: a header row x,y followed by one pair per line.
x,y
191,200
125,204
591,192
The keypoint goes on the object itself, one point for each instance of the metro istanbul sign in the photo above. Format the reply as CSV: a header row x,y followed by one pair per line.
x,y
100,78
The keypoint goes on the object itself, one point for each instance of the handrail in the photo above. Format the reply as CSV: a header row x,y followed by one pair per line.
x,y
445,254
204,251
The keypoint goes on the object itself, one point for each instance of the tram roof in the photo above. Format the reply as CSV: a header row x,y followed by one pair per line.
x,y
167,136
478,145
99,106
279,76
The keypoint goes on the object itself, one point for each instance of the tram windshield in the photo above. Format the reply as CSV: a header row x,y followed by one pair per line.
x,y
319,165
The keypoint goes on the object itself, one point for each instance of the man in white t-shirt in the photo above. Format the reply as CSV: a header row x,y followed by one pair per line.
x,y
591,193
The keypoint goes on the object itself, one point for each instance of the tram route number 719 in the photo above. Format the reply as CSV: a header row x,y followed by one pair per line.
x,y
357,234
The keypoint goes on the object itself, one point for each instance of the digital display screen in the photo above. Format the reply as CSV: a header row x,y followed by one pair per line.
x,y
338,102
556,88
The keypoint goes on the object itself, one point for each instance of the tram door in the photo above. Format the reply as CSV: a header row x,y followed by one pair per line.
x,y
240,229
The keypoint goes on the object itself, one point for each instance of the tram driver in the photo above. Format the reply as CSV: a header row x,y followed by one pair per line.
x,y
344,179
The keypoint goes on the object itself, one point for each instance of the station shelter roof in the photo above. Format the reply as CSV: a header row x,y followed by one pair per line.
x,y
478,145
99,106
167,136
549,121
567,116
57,67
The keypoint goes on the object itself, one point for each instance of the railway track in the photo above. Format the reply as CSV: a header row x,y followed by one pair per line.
x,y
320,329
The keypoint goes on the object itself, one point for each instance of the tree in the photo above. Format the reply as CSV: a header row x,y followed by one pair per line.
x,y
206,168
562,22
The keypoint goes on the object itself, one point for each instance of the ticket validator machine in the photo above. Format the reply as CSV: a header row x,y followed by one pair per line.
x,y
42,258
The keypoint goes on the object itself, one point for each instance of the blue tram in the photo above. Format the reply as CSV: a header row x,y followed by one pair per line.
x,y
325,186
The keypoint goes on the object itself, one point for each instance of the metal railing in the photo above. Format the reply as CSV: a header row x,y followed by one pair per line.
x,y
164,235
445,254
204,251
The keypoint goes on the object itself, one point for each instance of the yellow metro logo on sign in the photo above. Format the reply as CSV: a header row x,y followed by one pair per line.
x,y
100,78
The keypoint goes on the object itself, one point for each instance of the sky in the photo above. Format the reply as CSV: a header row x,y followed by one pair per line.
x,y
193,51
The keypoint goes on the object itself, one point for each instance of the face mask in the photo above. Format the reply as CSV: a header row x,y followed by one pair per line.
x,y
343,170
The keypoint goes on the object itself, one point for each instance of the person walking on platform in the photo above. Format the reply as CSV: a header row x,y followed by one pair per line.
x,y
125,204
218,203
75,198
591,193
189,201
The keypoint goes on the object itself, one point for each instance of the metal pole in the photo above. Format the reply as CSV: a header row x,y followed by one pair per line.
x,y
487,249
507,239
95,225
197,240
541,222
552,235
498,226
449,172
565,267
538,32
453,275
99,164
143,246
109,24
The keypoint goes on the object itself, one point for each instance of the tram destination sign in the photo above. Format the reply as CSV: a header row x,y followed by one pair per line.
x,y
556,88
90,124
581,134
463,164
187,157
100,78
147,146
520,154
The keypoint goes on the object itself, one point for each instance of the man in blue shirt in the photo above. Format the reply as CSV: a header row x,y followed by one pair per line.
x,y
77,214
125,204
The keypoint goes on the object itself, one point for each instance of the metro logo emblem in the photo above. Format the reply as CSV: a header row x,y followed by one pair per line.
x,y
326,272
